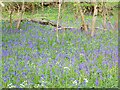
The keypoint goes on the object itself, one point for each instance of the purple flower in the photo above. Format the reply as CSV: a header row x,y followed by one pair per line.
x,y
14,73
27,58
81,66
16,43
50,65
97,82
105,62
9,45
16,64
5,79
87,72
30,44
42,76
73,60
110,66
6,68
18,79
99,71
5,53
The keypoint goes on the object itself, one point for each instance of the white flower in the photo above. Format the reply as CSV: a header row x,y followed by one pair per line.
x,y
22,85
37,86
75,82
28,62
25,82
81,54
57,62
42,78
12,86
67,68
9,84
42,84
85,80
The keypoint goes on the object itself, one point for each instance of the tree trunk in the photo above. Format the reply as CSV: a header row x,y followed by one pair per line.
x,y
33,8
94,18
104,15
83,20
11,18
58,19
110,23
21,14
42,9
116,25
62,12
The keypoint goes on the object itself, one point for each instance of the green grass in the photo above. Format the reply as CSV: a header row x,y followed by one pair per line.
x,y
51,64
52,49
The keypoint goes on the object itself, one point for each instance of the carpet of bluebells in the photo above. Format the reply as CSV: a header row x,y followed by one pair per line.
x,y
31,57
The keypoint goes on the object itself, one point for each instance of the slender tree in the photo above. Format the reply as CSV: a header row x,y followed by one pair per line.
x,y
42,7
83,20
21,14
62,12
33,7
18,6
116,25
94,18
104,15
11,12
110,23
108,17
82,17
11,9
60,1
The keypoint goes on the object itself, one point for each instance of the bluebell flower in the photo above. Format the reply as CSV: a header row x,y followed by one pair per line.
x,y
42,76
81,66
5,53
96,82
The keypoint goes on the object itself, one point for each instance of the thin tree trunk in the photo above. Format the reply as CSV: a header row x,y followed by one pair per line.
x,y
116,25
83,20
33,8
10,13
62,11
104,15
11,18
94,18
21,14
110,23
42,8
18,8
58,19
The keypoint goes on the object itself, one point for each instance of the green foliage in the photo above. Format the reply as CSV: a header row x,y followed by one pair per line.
x,y
62,64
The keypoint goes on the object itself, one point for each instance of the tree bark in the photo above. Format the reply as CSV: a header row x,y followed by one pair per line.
x,y
21,14
94,18
42,8
58,19
83,20
116,25
33,8
11,18
104,16
10,10
110,23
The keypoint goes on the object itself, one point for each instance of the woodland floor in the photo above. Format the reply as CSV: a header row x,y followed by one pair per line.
x,y
31,57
